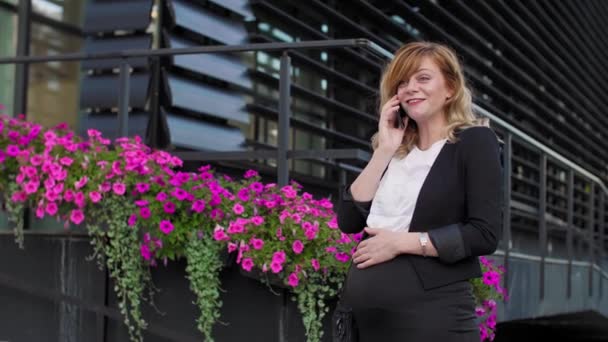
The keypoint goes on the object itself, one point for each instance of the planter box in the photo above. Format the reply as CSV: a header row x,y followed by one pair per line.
x,y
58,263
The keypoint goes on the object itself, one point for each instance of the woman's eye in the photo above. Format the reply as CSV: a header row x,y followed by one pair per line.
x,y
424,78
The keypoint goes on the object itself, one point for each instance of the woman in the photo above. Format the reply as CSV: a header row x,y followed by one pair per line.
x,y
429,201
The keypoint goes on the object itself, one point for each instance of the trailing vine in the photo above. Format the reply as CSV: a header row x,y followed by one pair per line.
x,y
204,265
312,297
117,247
15,211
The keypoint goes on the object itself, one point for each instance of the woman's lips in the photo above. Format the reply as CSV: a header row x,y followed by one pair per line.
x,y
414,102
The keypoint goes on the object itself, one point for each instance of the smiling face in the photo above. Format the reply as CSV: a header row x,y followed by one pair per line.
x,y
425,93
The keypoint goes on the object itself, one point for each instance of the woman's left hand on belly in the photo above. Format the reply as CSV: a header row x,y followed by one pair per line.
x,y
382,245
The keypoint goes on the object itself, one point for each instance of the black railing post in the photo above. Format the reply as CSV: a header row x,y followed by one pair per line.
x,y
124,90
284,115
601,251
154,103
23,50
542,222
570,231
591,235
506,214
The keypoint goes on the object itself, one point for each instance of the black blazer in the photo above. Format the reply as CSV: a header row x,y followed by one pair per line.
x,y
459,205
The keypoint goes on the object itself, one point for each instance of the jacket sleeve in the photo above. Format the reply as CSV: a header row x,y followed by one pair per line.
x,y
352,214
481,230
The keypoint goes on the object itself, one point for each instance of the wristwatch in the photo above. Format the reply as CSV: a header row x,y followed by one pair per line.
x,y
424,240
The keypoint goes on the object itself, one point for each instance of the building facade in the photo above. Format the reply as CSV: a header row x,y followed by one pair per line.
x,y
537,65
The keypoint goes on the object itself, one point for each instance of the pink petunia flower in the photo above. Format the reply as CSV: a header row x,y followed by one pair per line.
x,y
145,252
297,247
144,212
257,243
161,197
247,264
142,187
95,196
132,220
250,174
315,264
238,209
77,216
119,188
166,226
257,220
51,208
198,205
169,207
293,280
276,267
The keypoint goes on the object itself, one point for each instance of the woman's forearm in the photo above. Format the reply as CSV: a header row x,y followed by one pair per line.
x,y
409,243
365,186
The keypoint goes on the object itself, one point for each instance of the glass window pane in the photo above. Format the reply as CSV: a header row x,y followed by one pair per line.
x,y
67,11
55,80
8,47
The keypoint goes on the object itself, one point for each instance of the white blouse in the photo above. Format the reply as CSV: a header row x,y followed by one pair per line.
x,y
394,202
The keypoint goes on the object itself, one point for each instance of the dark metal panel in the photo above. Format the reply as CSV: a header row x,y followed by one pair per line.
x,y
117,43
199,135
109,16
208,24
206,99
107,124
102,91
237,6
223,67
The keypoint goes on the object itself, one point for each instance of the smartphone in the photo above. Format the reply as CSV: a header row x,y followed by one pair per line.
x,y
399,116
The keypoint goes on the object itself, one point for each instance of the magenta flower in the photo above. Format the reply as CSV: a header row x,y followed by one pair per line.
x,y
220,235
238,209
279,257
257,187
145,252
243,195
231,247
142,187
342,257
166,226
169,207
180,194
119,188
12,150
77,216
479,311
315,264
66,161
132,220
31,187
51,208
298,247
250,174
144,212
247,264
257,243
293,280
198,205
161,197
257,220
491,278
276,267
95,196
141,203
81,182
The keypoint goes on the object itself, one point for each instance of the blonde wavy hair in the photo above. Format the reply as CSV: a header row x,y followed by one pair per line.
x,y
458,108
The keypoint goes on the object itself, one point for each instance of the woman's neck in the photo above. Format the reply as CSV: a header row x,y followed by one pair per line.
x,y
431,131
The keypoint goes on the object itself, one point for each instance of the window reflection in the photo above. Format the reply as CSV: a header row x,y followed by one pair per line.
x,y
8,47
67,11
55,80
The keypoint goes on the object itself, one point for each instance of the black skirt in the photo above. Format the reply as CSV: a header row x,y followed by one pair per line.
x,y
390,304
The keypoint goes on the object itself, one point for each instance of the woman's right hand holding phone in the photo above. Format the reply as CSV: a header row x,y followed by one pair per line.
x,y
389,137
